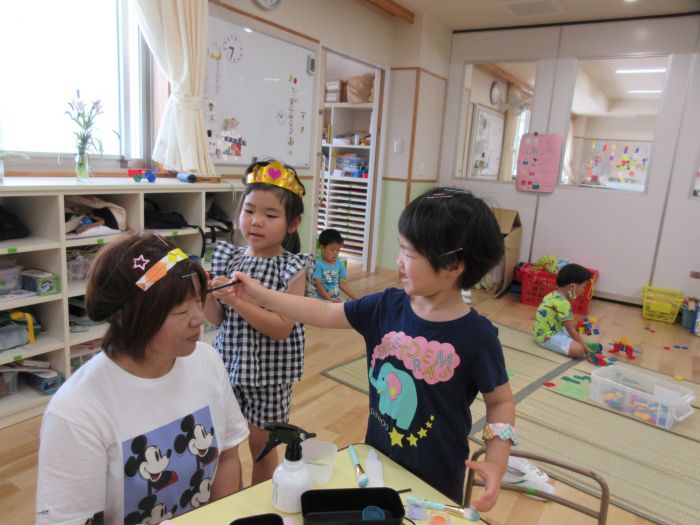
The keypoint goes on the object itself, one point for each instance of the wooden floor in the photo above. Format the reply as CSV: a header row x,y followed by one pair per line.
x,y
339,414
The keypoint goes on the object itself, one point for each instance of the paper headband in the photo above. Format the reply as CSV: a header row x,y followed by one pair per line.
x,y
156,272
277,175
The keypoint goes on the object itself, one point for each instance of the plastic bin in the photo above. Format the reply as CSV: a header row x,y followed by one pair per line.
x,y
344,506
10,279
661,304
8,383
535,284
641,396
687,316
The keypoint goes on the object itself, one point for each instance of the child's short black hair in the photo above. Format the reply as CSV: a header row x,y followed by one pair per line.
x,y
573,274
450,225
330,236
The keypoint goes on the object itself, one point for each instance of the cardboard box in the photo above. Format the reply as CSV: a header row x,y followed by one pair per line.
x,y
512,230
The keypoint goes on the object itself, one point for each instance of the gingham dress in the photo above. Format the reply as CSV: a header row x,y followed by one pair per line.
x,y
252,358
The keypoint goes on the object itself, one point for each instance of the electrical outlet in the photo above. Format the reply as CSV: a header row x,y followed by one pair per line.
x,y
694,275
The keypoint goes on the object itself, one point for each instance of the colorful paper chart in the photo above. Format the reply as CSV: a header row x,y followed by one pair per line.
x,y
538,162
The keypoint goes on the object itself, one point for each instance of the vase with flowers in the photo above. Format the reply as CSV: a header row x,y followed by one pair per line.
x,y
84,116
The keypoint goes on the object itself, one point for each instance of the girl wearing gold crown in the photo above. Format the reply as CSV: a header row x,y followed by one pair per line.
x,y
263,351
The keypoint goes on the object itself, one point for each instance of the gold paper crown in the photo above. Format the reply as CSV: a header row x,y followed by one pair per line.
x,y
276,174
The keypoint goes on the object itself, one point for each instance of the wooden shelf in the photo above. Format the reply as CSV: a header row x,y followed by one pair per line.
x,y
38,202
345,200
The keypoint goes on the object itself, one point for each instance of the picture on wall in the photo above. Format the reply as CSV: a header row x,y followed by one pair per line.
x,y
486,142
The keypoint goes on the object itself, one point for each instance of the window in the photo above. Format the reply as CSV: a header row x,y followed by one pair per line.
x,y
497,107
88,45
612,124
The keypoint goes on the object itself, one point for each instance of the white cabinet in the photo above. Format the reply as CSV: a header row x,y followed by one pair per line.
x,y
39,204
347,177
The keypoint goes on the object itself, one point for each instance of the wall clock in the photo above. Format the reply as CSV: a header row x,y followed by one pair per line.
x,y
232,49
268,4
495,93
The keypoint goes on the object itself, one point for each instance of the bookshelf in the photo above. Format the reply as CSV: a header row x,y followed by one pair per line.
x,y
349,148
39,204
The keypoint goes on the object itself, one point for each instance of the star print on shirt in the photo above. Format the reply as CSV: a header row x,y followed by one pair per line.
x,y
396,438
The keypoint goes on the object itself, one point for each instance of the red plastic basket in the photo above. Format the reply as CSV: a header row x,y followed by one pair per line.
x,y
535,284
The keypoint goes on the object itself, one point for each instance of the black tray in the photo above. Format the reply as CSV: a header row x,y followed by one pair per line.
x,y
344,506
260,519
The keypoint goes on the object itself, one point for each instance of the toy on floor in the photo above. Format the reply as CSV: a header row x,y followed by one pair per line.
x,y
587,326
594,355
623,345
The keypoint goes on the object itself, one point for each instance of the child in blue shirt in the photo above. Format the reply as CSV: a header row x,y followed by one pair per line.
x,y
428,353
330,275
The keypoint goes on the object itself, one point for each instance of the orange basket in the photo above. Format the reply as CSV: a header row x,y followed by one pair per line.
x,y
535,284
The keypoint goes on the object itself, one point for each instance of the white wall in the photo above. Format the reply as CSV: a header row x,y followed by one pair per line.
x,y
355,28
626,236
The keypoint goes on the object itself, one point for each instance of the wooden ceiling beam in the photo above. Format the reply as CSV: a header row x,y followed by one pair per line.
x,y
393,8
503,74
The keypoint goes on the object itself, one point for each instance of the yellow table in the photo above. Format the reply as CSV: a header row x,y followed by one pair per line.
x,y
258,498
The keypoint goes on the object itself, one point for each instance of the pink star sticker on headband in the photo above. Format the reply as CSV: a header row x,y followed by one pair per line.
x,y
140,262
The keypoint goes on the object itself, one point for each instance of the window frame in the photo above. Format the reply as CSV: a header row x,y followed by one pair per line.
x,y
50,163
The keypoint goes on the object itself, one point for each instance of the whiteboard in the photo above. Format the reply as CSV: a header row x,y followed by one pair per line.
x,y
486,142
258,97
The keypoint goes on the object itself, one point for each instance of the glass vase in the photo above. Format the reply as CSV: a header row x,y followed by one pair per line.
x,y
83,172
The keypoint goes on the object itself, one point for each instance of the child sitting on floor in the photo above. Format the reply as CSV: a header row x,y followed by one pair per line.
x,y
330,276
554,327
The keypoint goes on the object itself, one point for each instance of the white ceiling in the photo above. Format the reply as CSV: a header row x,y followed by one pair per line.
x,y
600,91
480,14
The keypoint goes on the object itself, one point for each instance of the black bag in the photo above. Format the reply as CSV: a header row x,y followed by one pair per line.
x,y
10,227
157,219
217,220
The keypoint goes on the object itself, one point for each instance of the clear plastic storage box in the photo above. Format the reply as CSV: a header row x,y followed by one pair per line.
x,y
8,383
661,403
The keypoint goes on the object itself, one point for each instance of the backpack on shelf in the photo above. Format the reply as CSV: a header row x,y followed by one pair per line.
x,y
10,226
157,219
216,220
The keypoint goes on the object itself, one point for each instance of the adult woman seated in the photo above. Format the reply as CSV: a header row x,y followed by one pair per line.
x,y
149,428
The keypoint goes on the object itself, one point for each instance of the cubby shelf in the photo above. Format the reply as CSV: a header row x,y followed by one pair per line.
x,y
345,203
39,204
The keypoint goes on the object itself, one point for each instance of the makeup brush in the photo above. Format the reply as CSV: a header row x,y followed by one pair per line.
x,y
232,283
467,513
362,478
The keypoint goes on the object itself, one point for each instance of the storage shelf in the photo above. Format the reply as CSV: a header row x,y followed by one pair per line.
x,y
44,344
39,202
27,402
93,332
91,241
28,301
27,244
76,288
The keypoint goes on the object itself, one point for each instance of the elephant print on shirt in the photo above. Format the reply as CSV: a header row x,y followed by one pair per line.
x,y
397,394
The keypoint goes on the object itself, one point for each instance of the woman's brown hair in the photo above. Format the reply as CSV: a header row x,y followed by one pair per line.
x,y
135,316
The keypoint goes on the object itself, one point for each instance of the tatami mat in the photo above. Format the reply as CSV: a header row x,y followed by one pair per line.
x,y
650,471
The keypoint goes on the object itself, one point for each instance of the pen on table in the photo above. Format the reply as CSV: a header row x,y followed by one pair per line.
x,y
232,283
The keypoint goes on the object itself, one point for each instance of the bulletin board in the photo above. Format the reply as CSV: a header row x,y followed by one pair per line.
x,y
538,162
615,162
485,142
259,94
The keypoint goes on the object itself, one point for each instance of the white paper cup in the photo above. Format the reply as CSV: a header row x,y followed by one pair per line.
x,y
319,457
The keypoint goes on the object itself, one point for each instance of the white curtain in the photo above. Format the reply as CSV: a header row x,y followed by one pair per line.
x,y
176,33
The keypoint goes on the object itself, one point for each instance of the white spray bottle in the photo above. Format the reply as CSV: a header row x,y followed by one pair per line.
x,y
291,477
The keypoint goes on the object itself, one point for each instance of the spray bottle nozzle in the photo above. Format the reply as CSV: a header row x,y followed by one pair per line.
x,y
291,435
